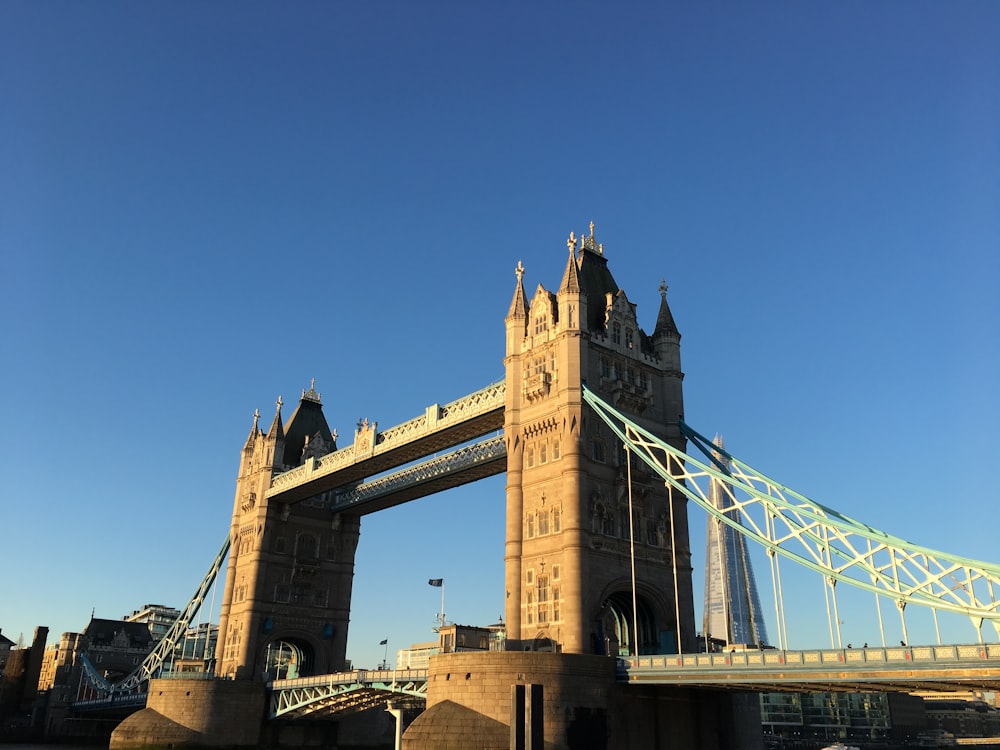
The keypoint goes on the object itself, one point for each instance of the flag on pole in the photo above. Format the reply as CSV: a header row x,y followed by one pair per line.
x,y
382,643
439,582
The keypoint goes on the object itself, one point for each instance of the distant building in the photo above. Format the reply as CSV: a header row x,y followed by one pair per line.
x,y
157,617
196,651
19,686
417,656
452,638
857,717
6,644
962,718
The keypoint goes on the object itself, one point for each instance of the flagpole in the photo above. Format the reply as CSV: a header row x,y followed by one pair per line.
x,y
439,583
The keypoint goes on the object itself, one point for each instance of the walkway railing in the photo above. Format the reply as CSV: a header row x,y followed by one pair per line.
x,y
877,669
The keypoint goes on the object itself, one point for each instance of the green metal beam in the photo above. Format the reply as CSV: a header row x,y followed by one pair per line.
x,y
822,539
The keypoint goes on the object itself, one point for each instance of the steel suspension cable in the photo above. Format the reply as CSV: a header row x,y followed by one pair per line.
x,y
673,556
631,541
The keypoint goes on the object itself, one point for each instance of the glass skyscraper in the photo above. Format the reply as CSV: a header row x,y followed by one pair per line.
x,y
732,606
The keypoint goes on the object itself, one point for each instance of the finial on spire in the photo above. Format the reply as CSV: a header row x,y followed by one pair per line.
x,y
663,288
256,417
279,402
571,242
519,271
311,394
589,243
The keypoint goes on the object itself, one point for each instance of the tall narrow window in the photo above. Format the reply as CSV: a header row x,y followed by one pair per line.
x,y
598,447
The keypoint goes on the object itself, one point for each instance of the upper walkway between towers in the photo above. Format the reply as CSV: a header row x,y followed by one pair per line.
x,y
373,451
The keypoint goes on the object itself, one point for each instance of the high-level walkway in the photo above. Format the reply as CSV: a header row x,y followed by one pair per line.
x,y
439,428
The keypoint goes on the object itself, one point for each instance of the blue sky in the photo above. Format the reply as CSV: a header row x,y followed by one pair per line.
x,y
205,205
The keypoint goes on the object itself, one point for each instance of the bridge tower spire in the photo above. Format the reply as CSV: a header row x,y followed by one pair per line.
x,y
567,559
286,603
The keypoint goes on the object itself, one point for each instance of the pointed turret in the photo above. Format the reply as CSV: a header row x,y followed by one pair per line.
x,y
571,276
519,305
572,302
664,320
517,316
274,441
254,431
276,431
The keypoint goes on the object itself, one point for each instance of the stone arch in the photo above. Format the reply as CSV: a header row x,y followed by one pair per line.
x,y
616,631
542,642
288,658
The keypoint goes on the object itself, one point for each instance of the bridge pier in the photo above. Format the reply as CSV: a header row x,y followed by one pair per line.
x,y
469,706
195,713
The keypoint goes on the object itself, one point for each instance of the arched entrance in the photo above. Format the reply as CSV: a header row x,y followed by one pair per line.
x,y
288,659
616,634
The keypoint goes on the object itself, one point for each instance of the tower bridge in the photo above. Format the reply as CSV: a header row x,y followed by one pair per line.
x,y
587,425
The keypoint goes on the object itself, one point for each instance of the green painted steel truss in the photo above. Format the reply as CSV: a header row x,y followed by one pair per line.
x,y
824,540
346,692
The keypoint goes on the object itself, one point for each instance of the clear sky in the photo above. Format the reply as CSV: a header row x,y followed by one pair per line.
x,y
203,206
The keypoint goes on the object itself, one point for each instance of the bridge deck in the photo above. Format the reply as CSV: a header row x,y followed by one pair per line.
x,y
937,668
876,670
345,692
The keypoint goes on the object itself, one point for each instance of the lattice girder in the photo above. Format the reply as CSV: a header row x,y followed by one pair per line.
x,y
340,696
824,540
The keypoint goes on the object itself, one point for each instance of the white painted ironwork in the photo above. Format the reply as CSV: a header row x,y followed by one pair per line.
x,y
828,542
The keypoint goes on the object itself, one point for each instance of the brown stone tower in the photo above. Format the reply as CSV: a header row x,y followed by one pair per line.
x,y
287,599
569,556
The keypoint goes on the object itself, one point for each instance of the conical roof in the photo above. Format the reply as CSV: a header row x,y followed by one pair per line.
x,y
664,319
519,305
307,422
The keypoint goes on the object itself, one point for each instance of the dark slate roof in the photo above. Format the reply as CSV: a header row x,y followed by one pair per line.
x,y
103,632
307,421
595,281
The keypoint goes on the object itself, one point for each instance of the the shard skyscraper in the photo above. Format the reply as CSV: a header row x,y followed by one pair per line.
x,y
732,606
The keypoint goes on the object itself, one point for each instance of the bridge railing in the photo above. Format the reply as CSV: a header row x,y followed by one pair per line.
x,y
356,676
965,654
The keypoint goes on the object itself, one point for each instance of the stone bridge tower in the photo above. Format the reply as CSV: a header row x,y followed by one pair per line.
x,y
568,554
287,599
